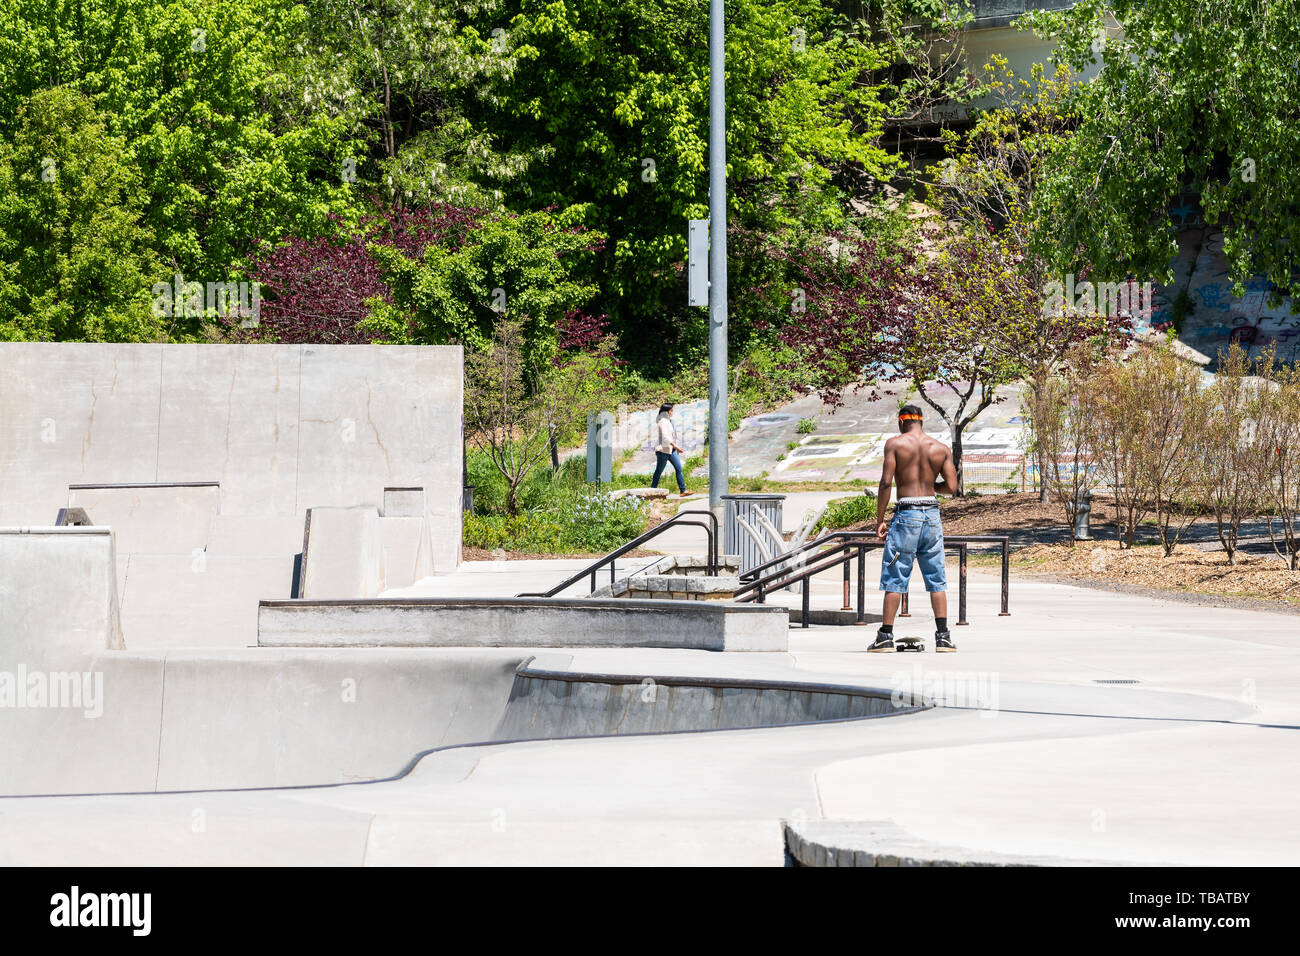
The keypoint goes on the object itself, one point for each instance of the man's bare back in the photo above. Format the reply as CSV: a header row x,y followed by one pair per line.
x,y
914,461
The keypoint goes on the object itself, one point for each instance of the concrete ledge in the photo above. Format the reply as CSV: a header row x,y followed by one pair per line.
x,y
550,704
522,622
884,843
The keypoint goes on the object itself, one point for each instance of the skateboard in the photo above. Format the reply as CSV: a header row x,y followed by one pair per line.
x,y
909,644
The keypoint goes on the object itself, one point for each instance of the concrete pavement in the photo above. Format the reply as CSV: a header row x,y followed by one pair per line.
x,y
1190,765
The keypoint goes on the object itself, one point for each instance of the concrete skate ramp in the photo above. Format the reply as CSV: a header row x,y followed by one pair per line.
x,y
239,719
160,519
223,720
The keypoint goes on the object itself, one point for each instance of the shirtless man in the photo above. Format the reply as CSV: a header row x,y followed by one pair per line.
x,y
917,463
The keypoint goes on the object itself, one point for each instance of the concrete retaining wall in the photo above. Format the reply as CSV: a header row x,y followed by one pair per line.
x,y
546,704
522,622
280,427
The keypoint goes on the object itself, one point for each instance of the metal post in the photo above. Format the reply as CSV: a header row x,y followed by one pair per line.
x,y
961,587
1006,574
718,432
848,559
805,600
862,586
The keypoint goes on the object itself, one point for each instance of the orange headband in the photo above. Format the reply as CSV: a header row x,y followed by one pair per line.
x,y
910,418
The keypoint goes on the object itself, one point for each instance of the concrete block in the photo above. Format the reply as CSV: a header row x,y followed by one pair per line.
x,y
406,550
521,622
343,553
280,427
171,519
58,593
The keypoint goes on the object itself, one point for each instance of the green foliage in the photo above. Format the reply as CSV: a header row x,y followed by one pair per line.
x,y
615,94
1195,98
190,158
76,258
560,513
523,267
807,426
404,75
844,512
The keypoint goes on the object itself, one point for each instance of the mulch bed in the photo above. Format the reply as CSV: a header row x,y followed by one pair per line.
x,y
1040,547
1189,570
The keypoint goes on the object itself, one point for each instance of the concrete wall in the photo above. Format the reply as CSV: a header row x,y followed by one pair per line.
x,y
281,428
549,704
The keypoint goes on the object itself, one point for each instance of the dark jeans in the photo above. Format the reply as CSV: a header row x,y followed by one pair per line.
x,y
662,459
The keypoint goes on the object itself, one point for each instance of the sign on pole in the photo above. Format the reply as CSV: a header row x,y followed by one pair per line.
x,y
697,262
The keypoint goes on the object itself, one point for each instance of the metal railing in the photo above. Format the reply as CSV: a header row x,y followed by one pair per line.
x,y
839,549
710,530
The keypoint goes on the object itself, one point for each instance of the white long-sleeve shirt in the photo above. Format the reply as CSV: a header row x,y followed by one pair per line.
x,y
667,435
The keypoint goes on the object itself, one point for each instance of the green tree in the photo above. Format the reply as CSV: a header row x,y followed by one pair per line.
x,y
522,268
196,92
76,259
614,96
966,334
512,409
411,76
1193,96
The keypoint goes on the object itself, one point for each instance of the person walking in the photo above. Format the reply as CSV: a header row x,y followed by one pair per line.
x,y
917,463
666,448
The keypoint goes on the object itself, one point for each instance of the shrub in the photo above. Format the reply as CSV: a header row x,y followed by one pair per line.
x,y
581,522
807,426
597,522
843,512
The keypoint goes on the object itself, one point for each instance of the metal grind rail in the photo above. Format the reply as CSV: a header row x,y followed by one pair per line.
x,y
682,518
839,549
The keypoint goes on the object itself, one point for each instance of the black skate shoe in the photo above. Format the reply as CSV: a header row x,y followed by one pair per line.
x,y
883,643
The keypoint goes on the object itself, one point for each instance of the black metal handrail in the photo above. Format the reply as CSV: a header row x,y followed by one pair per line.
x,y
750,574
857,543
710,530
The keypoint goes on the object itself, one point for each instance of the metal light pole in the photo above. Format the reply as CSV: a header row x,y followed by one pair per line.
x,y
718,432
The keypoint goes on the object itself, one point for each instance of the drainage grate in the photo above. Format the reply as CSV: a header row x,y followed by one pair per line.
x,y
1116,682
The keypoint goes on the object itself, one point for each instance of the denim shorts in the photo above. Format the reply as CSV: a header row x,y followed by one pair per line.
x,y
915,534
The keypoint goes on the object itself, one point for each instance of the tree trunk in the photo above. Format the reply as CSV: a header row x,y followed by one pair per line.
x,y
1042,473
555,453
956,460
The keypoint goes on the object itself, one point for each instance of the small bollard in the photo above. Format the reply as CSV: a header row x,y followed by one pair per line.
x,y
1082,511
